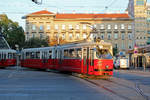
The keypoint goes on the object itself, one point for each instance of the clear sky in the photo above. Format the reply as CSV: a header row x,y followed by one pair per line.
x,y
15,9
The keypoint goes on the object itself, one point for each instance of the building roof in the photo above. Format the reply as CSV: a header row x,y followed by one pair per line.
x,y
74,16
80,15
41,12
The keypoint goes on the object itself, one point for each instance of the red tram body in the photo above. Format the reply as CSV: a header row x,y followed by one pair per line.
x,y
89,58
7,57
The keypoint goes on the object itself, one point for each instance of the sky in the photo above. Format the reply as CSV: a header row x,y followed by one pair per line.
x,y
16,9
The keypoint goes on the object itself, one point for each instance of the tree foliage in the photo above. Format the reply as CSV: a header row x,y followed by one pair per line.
x,y
13,33
36,42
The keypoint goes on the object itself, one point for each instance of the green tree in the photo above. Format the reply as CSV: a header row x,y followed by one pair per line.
x,y
13,33
36,42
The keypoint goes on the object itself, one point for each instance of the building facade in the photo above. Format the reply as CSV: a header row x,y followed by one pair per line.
x,y
148,24
137,9
60,28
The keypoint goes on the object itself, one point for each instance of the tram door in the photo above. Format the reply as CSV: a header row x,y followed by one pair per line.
x,y
86,60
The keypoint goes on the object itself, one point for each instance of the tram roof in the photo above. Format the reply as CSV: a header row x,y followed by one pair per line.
x,y
38,49
8,50
75,44
87,43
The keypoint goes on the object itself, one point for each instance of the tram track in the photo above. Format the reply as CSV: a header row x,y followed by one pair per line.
x,y
136,88
107,89
139,90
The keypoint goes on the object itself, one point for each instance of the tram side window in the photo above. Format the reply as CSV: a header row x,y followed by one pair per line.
x,y
79,53
10,55
37,55
4,56
50,54
27,55
72,53
44,55
32,55
92,57
65,53
14,55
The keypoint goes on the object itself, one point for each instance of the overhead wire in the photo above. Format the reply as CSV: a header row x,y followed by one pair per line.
x,y
112,2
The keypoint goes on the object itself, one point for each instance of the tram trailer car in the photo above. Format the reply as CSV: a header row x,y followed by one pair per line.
x,y
7,57
88,58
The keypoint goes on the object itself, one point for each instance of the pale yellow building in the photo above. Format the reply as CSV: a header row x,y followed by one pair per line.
x,y
148,23
138,10
59,28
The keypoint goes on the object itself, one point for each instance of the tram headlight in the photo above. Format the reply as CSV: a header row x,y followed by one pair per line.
x,y
107,66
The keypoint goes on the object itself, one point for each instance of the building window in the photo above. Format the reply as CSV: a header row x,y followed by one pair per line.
x,y
48,27
130,36
84,36
148,20
63,27
41,36
123,46
140,2
123,36
130,46
116,45
109,36
56,27
77,27
70,27
122,26
91,36
41,28
129,27
94,26
63,36
33,36
102,26
148,32
116,36
84,27
102,36
109,27
77,36
33,27
115,27
70,36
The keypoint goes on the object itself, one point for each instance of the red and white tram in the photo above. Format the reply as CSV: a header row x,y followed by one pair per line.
x,y
7,57
89,58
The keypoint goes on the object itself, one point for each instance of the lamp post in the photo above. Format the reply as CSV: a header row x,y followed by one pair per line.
x,y
17,49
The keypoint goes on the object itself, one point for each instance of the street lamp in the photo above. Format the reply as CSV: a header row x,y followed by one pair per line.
x,y
37,1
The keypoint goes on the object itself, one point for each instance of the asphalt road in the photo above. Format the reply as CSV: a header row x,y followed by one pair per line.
x,y
139,77
25,84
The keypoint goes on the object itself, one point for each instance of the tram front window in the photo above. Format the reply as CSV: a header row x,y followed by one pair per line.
x,y
103,54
